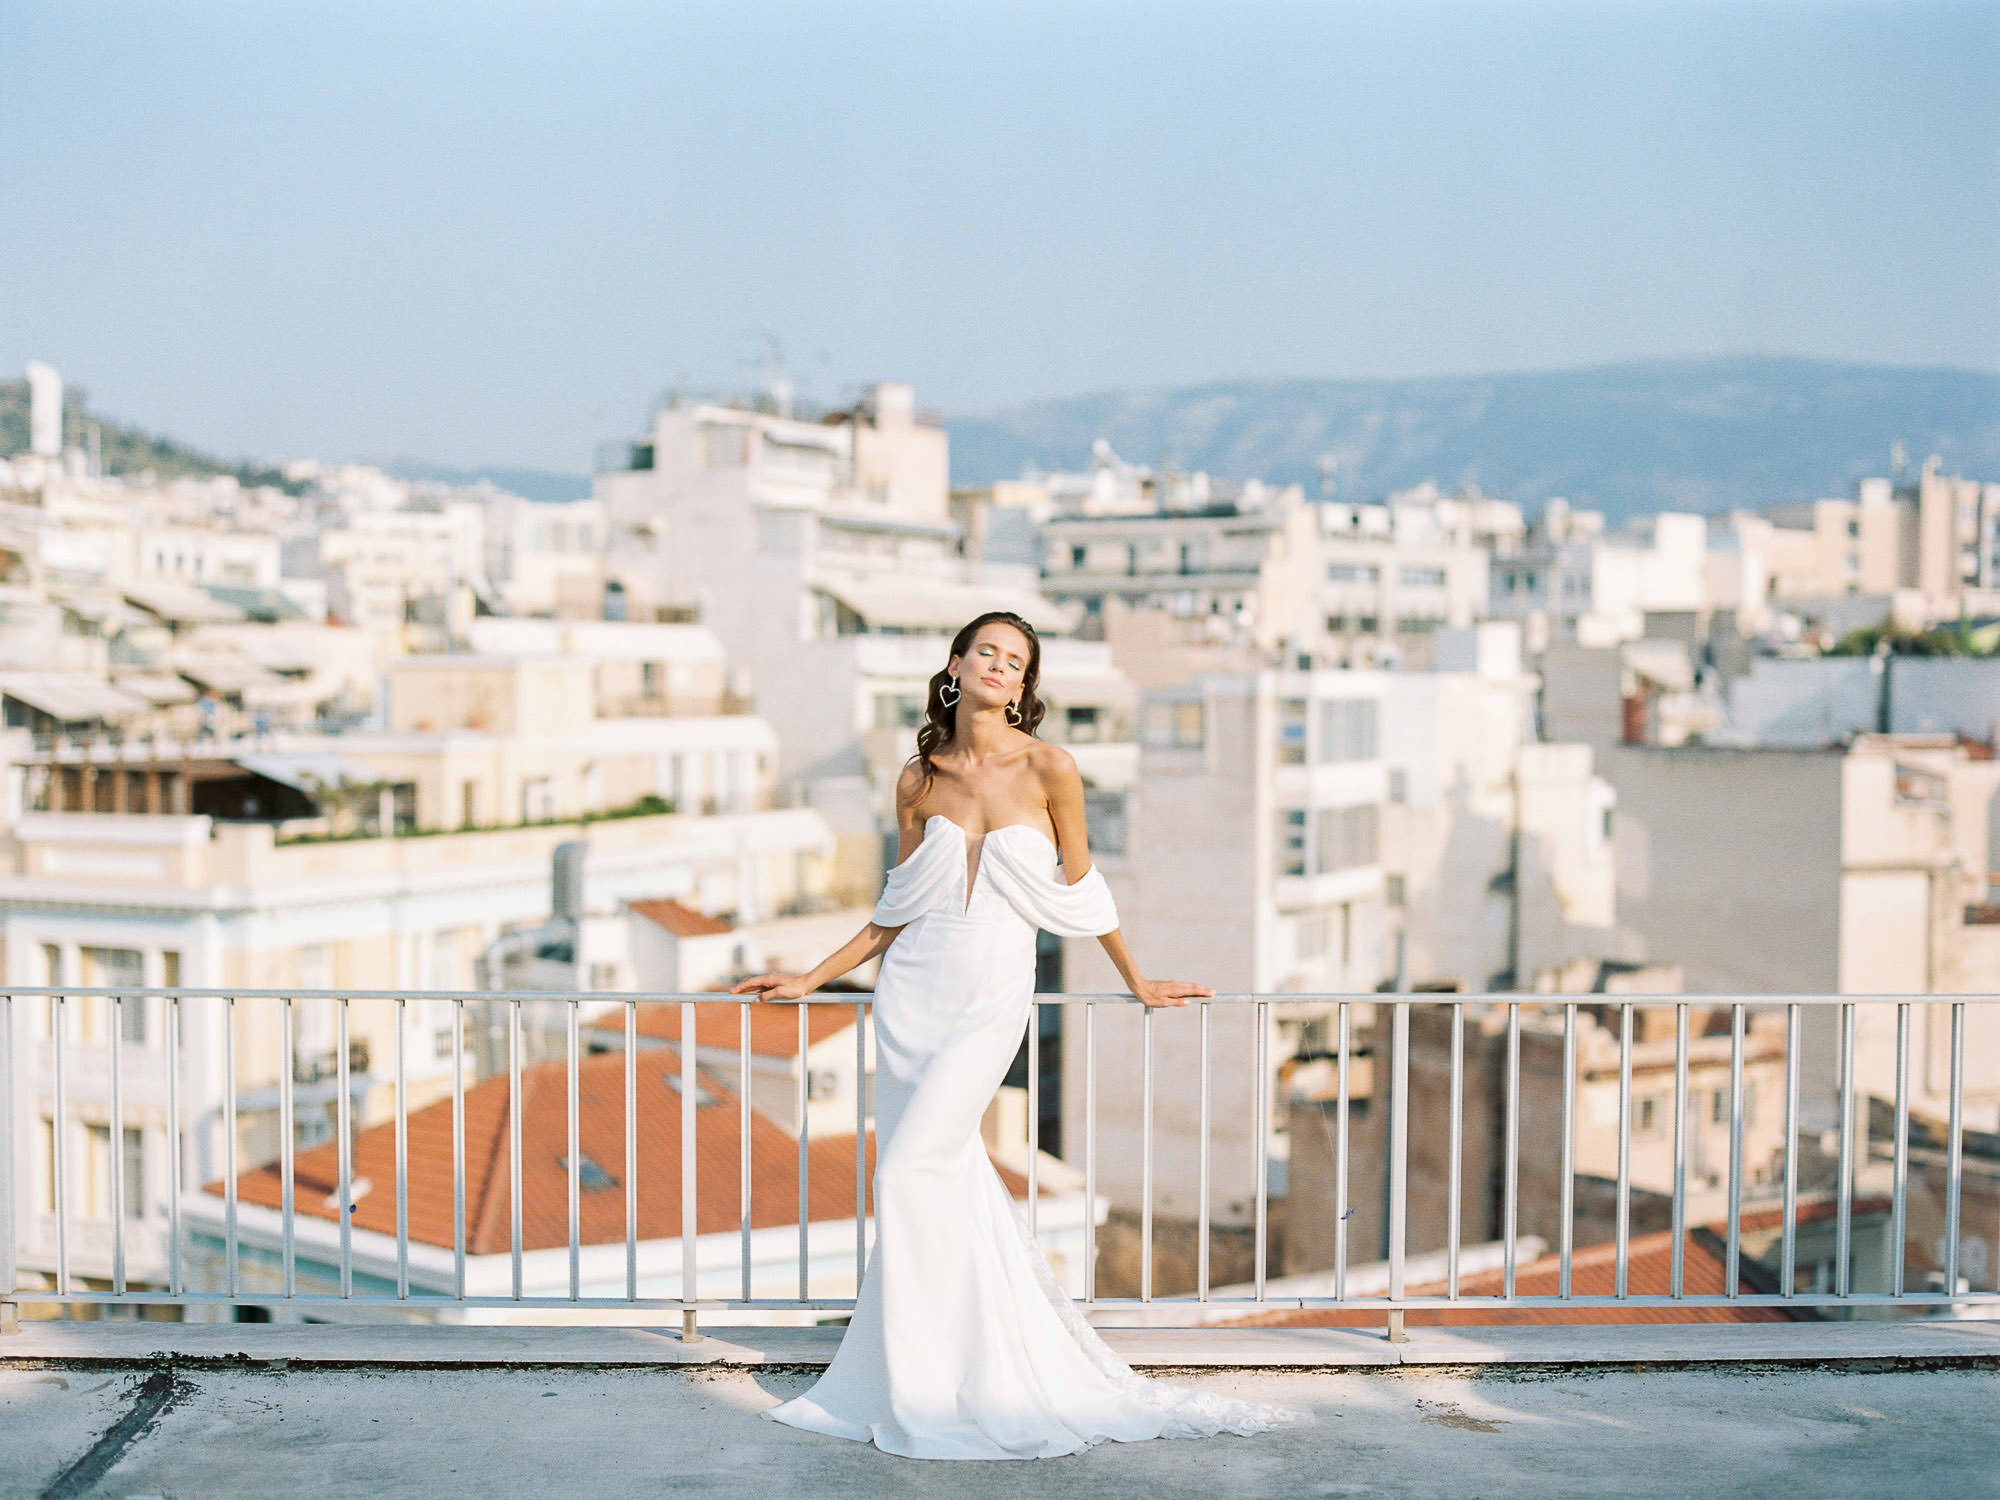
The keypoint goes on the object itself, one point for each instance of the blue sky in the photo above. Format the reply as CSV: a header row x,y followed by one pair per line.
x,y
494,233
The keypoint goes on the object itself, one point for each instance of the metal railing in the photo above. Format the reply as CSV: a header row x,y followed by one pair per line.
x,y
55,1077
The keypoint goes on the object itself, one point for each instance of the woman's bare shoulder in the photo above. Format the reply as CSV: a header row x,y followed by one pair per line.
x,y
1053,765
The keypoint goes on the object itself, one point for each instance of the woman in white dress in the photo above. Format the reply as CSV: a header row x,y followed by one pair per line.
x,y
962,1343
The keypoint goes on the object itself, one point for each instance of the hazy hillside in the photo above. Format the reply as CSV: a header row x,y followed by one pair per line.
x,y
1698,434
124,450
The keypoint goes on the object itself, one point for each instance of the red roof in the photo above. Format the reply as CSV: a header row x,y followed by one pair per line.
x,y
1592,1274
774,1162
774,1026
681,921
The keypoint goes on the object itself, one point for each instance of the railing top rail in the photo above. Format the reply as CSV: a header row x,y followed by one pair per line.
x,y
1045,997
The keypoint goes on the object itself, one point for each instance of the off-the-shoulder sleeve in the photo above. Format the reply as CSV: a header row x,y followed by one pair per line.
x,y
919,883
1084,909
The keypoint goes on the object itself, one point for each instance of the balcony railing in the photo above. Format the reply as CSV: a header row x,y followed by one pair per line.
x,y
191,1071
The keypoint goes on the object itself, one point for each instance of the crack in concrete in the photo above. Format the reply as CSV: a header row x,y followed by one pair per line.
x,y
161,1391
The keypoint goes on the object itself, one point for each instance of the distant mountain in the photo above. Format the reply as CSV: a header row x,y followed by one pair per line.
x,y
529,484
123,449
1704,435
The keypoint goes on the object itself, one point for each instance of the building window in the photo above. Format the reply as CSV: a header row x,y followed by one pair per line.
x,y
1292,841
1314,934
1082,723
1335,624
1353,573
1399,785
1393,890
898,710
1645,1116
135,1173
1292,732
1349,729
1718,1107
1422,578
1104,819
1172,723
1347,837
1077,555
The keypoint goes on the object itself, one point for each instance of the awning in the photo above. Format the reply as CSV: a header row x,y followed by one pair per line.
x,y
157,688
223,674
924,604
267,606
180,604
71,698
310,770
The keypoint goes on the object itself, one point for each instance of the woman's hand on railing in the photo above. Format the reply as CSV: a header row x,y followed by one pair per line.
x,y
772,987
1155,993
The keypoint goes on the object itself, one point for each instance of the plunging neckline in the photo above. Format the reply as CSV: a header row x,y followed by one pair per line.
x,y
974,869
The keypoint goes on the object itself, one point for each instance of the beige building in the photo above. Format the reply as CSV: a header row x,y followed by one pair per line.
x,y
1246,857
1860,871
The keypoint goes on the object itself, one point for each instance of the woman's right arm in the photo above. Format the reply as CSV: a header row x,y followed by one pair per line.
x,y
871,941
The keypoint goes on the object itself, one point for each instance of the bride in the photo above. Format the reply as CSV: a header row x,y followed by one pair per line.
x,y
962,1343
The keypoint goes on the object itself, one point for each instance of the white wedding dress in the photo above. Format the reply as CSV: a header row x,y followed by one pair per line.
x,y
962,1343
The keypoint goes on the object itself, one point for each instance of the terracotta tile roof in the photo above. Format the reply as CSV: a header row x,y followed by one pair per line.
x,y
681,921
1592,1274
774,1164
544,1177
774,1028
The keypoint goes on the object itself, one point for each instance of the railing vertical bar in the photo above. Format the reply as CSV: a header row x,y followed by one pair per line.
x,y
59,1026
1202,1170
1511,1186
1624,1149
287,1150
1262,1105
514,1140
1399,1161
631,1133
458,1148
1789,1250
1341,1095
1844,1214
1677,1258
1733,1247
174,1146
343,1153
861,1144
1566,1212
1034,1116
402,1154
1146,1155
1899,1197
10,1217
573,1153
1089,1153
118,1144
1955,1150
232,1247
743,1137
805,1243
690,1157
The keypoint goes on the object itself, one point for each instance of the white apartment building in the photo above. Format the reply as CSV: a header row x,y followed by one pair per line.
x,y
1496,848
546,558
1247,858
1229,571
1572,581
391,570
1394,574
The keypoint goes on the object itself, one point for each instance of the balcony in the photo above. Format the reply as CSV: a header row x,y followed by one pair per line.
x,y
552,1235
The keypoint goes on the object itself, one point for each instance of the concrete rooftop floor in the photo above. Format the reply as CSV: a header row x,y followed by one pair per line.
x,y
256,1410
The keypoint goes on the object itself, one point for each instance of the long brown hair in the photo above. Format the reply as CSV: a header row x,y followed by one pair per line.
x,y
940,717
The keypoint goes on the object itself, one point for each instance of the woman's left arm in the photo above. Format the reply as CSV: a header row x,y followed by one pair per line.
x,y
1064,785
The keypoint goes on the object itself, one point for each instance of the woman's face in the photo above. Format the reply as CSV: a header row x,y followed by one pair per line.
x,y
990,672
